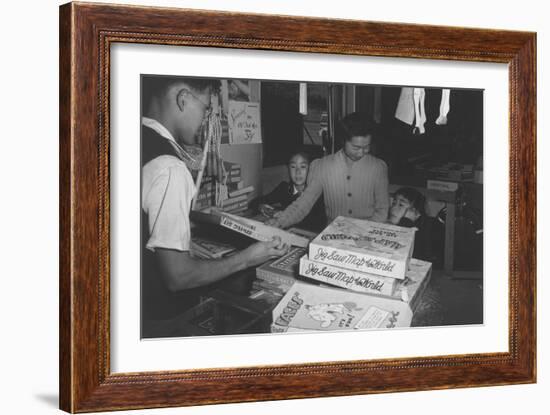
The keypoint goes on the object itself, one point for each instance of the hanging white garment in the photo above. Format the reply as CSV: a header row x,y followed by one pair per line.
x,y
444,107
405,106
419,96
302,99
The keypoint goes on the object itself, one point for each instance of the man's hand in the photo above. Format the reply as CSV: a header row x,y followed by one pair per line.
x,y
261,252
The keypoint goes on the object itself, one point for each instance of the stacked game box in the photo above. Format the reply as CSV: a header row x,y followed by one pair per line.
x,y
238,195
275,277
408,290
367,259
259,231
368,247
282,270
307,307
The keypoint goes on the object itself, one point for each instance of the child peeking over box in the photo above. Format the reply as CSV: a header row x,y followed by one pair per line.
x,y
408,209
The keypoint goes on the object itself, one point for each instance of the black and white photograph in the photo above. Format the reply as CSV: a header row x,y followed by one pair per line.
x,y
275,207
282,206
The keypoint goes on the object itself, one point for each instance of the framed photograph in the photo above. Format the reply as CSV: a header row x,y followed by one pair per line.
x,y
258,207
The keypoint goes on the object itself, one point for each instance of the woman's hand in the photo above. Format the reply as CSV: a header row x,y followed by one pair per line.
x,y
267,210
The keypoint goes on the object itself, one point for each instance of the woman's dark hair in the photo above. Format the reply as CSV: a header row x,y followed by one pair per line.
x,y
415,198
355,124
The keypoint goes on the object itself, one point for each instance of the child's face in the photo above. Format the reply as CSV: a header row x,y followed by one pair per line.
x,y
297,170
399,208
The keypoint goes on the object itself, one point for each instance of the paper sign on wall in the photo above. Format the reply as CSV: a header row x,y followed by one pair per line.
x,y
244,122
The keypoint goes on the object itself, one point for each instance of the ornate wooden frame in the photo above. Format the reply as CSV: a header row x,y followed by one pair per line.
x,y
86,33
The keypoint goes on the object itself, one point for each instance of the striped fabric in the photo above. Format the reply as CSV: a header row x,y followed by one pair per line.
x,y
358,189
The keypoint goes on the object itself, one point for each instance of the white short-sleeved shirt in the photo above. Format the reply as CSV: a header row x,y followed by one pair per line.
x,y
167,191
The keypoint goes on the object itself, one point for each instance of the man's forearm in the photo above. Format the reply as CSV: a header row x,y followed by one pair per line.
x,y
208,271
181,271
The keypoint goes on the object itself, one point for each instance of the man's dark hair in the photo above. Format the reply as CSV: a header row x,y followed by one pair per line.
x,y
415,198
158,85
355,124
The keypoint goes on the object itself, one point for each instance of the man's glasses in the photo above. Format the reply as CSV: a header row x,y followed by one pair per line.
x,y
206,106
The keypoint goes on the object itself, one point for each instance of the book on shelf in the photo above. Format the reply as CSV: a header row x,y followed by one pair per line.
x,y
282,270
310,307
232,169
241,191
234,180
347,278
259,231
203,204
234,172
231,166
205,196
237,211
365,246
240,206
234,186
236,199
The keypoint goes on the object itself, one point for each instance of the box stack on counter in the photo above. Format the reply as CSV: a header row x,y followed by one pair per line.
x,y
205,198
376,283
274,278
238,200
238,194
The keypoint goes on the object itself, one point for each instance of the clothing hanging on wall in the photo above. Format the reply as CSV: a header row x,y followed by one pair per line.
x,y
444,107
405,106
419,95
411,108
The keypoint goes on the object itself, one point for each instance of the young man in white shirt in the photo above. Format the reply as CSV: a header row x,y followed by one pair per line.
x,y
173,110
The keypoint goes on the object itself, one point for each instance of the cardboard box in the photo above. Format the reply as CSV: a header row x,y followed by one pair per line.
x,y
283,270
411,289
309,307
365,246
259,231
346,278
